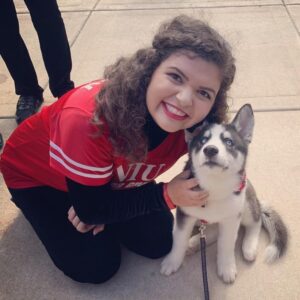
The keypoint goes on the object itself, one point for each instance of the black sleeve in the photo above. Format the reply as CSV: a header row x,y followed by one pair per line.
x,y
102,205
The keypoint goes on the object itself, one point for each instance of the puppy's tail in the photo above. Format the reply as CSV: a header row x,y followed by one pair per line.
x,y
278,234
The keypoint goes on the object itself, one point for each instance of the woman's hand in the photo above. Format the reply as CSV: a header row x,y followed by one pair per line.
x,y
80,226
181,193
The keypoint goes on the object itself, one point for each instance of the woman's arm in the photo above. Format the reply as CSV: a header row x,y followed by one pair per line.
x,y
102,205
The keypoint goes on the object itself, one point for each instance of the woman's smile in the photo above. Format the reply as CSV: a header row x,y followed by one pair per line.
x,y
182,91
173,112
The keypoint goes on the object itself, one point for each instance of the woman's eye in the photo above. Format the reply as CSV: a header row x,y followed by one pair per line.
x,y
229,142
175,77
204,94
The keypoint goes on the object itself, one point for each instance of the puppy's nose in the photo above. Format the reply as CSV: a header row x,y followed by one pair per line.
x,y
210,151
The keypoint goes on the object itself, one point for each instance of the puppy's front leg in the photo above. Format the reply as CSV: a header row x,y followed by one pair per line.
x,y
228,230
181,234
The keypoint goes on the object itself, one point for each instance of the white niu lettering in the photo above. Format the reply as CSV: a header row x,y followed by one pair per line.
x,y
139,171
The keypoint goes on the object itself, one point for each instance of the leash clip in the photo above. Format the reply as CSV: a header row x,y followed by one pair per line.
x,y
202,230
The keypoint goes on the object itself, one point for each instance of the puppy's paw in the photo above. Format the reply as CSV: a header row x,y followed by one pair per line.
x,y
170,265
249,254
194,245
227,272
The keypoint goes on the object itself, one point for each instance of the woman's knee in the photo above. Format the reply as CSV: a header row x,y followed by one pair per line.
x,y
156,249
149,236
90,271
89,260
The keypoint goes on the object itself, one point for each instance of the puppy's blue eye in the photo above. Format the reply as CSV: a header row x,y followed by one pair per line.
x,y
203,140
228,142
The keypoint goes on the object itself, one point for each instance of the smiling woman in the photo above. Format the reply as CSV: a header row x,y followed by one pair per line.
x,y
130,78
182,91
86,165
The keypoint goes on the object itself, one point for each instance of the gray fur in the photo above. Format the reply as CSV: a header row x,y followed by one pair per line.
x,y
277,230
244,122
240,144
253,202
271,220
240,131
221,150
180,217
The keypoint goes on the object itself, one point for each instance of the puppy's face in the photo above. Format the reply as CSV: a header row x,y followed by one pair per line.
x,y
218,148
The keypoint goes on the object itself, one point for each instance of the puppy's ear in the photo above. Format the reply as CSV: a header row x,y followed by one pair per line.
x,y
244,122
193,131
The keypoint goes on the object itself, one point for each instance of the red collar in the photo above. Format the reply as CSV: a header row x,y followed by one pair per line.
x,y
237,192
242,183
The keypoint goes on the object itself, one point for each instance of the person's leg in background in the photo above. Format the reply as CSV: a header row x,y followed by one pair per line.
x,y
49,25
16,57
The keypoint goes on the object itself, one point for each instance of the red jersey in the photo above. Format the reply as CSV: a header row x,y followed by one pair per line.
x,y
61,141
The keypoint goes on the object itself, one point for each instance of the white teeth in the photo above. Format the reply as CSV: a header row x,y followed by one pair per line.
x,y
174,110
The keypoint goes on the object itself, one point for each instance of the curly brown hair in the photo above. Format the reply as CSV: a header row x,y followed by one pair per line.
x,y
122,102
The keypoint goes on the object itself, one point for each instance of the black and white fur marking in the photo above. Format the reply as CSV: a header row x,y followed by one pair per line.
x,y
217,158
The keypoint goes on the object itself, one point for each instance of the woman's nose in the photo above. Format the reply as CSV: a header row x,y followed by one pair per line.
x,y
185,97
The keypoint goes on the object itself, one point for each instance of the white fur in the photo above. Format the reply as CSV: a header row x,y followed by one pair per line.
x,y
211,236
217,164
271,254
223,207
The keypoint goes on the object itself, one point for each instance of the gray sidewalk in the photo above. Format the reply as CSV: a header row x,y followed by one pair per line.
x,y
266,39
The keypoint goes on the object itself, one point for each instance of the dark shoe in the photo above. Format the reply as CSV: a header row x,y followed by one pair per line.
x,y
27,106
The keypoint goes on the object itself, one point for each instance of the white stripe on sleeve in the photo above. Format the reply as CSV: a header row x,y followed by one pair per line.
x,y
73,162
72,170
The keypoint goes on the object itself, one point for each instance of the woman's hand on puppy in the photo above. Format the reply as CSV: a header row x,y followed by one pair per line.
x,y
80,226
181,193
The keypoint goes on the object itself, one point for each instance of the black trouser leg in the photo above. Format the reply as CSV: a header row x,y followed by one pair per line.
x,y
54,44
15,54
83,257
149,235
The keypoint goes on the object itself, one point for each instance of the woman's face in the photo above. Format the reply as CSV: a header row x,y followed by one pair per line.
x,y
182,91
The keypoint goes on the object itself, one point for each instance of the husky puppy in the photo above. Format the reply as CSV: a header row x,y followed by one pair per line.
x,y
217,158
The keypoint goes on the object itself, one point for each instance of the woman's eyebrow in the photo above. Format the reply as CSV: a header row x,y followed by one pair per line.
x,y
186,78
180,72
208,89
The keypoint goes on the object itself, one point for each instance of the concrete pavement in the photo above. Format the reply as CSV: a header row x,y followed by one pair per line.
x,y
266,39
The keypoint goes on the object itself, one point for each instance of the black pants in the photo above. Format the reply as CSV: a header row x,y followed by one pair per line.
x,y
82,256
54,45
